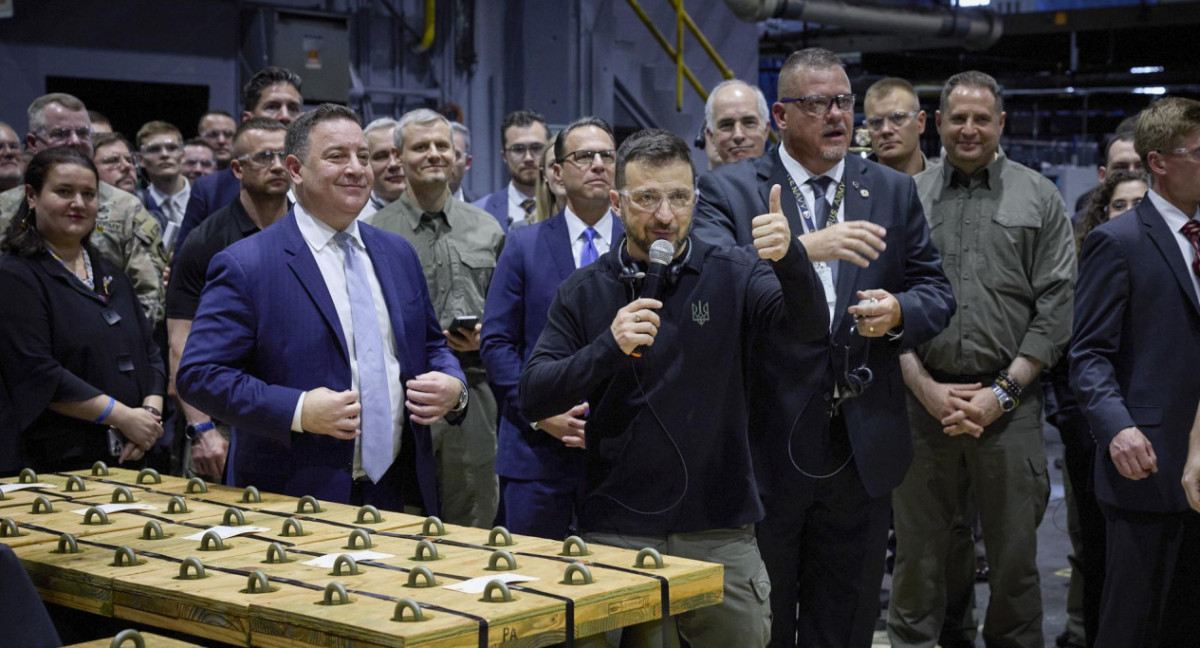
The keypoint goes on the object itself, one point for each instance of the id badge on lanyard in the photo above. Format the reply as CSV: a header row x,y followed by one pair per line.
x,y
824,269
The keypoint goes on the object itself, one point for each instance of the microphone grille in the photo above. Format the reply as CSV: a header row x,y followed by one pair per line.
x,y
661,252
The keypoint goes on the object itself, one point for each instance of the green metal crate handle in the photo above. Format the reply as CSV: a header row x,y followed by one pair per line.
x,y
340,590
211,538
196,566
9,529
577,543
292,527
577,568
67,544
149,473
502,533
438,529
251,495
504,554
122,493
41,504
124,554
196,485
176,502
28,476
648,552
426,550
368,509
356,536
75,483
276,554
94,512
310,501
258,583
348,562
153,531
492,586
421,572
234,513
128,635
410,605
99,469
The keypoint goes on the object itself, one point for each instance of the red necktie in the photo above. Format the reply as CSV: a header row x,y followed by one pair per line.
x,y
1191,230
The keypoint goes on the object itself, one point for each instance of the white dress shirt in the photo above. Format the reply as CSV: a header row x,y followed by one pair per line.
x,y
1175,220
330,261
173,208
801,177
575,228
516,212
374,204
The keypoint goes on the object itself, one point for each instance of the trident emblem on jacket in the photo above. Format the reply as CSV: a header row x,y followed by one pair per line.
x,y
700,312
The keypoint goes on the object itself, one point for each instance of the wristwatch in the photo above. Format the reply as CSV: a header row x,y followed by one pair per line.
x,y
193,431
462,400
1007,403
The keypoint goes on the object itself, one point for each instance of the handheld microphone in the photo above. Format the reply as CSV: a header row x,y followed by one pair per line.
x,y
661,254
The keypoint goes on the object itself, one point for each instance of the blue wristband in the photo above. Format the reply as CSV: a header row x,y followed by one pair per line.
x,y
107,410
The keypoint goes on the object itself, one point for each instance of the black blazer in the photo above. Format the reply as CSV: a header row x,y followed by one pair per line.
x,y
800,389
60,342
1136,344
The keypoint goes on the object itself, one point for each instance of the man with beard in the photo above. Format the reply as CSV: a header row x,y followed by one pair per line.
x,y
458,245
12,167
668,452
833,439
114,159
523,137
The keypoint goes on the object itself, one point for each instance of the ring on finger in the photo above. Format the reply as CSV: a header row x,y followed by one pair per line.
x,y
637,317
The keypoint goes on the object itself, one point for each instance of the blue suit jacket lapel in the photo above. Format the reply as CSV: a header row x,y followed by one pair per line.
x,y
304,266
855,207
1164,239
391,292
775,174
557,240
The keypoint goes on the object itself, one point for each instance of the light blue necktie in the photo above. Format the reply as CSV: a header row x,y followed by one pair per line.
x,y
589,253
368,351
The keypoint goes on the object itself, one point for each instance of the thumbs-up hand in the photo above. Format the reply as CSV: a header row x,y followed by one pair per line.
x,y
772,236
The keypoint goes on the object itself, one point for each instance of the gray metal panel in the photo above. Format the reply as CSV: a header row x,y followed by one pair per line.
x,y
318,49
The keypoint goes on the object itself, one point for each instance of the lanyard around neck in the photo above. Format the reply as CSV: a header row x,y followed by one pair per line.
x,y
805,214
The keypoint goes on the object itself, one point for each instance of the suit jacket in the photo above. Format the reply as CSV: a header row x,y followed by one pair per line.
x,y
800,388
209,193
1137,338
535,260
266,330
496,204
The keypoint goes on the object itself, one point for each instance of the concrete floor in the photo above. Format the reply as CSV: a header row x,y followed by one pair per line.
x,y
1053,547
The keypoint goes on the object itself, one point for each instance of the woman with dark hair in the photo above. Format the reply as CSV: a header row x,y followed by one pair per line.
x,y
1120,192
82,373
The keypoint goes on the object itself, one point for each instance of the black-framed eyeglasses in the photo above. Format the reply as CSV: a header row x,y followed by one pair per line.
x,y
583,158
263,159
820,105
649,200
896,119
521,150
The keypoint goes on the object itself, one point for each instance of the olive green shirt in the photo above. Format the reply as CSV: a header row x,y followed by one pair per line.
x,y
1007,247
458,248
125,234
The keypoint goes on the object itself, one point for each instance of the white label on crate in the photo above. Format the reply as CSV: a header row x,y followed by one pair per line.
x,y
8,488
227,532
117,508
476,585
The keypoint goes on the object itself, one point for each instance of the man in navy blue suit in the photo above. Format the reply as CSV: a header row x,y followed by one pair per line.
x,y
317,341
1136,346
831,440
540,463
523,137
273,92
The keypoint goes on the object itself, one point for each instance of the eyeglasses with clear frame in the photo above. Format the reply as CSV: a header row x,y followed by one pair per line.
x,y
64,134
897,120
649,200
521,150
1192,153
263,159
820,105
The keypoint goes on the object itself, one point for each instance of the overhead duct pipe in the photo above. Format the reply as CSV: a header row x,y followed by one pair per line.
x,y
977,28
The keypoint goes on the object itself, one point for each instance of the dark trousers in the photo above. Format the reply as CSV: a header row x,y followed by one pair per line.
x,y
544,508
1152,586
1079,455
824,543
398,485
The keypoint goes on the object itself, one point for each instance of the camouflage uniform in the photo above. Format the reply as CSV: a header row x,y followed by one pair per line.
x,y
126,234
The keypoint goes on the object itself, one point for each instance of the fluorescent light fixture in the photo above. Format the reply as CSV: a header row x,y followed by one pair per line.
x,y
1146,69
974,3
1070,89
1150,90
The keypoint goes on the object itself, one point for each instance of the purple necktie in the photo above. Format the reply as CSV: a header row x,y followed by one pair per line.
x,y
590,253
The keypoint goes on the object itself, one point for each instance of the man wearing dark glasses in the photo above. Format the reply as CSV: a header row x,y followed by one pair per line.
x,y
832,441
